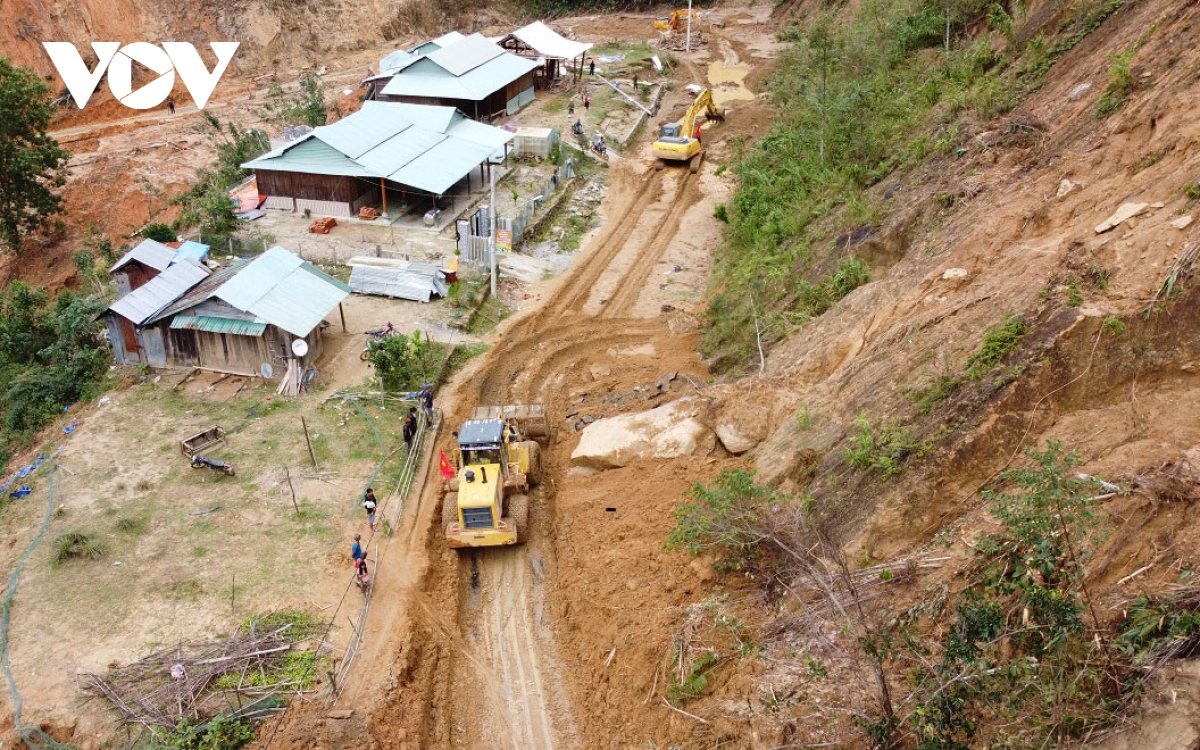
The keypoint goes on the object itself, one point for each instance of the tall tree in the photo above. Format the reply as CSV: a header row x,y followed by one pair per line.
x,y
32,164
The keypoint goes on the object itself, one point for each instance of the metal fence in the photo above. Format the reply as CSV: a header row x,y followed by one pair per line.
x,y
472,232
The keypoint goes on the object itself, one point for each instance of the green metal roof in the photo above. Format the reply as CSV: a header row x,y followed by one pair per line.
x,y
425,147
213,324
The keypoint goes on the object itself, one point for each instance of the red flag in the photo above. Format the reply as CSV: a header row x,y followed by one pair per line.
x,y
444,465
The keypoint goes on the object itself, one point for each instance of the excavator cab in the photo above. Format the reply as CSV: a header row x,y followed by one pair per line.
x,y
678,141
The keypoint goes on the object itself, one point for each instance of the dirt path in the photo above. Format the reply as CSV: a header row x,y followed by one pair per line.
x,y
476,661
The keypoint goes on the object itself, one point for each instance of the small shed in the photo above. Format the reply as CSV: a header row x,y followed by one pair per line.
x,y
130,342
401,279
534,142
244,317
146,260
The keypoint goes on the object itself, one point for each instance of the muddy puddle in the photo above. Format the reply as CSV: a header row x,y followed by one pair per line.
x,y
728,81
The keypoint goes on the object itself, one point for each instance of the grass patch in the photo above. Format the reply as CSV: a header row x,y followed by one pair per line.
x,y
884,447
489,316
76,545
1120,83
863,90
464,353
997,343
186,590
133,525
939,389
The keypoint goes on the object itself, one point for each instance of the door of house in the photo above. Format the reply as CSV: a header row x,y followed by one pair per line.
x,y
129,340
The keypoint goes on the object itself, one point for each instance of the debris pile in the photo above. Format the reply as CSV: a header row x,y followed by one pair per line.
x,y
197,681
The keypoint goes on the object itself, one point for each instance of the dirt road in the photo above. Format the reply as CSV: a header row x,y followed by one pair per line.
x,y
476,661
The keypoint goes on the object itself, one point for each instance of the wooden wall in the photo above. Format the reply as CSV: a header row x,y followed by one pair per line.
x,y
317,187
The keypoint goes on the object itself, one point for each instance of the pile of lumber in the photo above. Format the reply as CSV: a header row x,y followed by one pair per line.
x,y
289,384
322,226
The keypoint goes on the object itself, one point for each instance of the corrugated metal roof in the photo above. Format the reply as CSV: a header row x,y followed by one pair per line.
x,y
206,289
465,54
214,324
474,76
354,136
151,253
159,292
310,156
396,61
394,153
548,42
445,40
276,287
438,169
404,283
299,299
418,152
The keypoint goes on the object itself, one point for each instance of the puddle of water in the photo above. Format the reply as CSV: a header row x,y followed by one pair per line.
x,y
728,82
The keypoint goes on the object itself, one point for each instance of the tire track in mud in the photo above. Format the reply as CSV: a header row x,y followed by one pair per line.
x,y
505,643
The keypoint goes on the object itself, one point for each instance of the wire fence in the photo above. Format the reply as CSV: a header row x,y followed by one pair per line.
x,y
511,230
415,463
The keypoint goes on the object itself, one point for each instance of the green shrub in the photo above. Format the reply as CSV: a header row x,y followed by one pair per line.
x,y
76,545
885,447
696,680
1120,83
997,343
159,232
405,363
939,389
1192,190
220,733
721,213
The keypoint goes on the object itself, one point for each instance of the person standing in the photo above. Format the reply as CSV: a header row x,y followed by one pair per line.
x,y
587,102
427,404
592,68
571,107
410,429
370,505
170,105
356,550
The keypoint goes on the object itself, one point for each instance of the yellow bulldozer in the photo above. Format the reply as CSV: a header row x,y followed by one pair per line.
x,y
680,141
486,504
677,21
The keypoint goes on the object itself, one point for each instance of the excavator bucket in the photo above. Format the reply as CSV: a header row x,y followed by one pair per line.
x,y
530,419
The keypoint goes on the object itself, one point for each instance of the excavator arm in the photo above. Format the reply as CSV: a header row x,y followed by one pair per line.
x,y
677,140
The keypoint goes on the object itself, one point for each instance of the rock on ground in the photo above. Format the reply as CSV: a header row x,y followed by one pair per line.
x,y
676,429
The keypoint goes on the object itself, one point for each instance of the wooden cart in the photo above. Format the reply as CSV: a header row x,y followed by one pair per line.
x,y
201,441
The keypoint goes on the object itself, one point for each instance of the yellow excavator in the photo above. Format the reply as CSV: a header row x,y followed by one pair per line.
x,y
677,21
680,141
486,504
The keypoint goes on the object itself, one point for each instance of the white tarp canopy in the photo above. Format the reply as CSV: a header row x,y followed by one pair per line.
x,y
548,42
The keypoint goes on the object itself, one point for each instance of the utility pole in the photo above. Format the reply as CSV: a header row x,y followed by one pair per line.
x,y
689,27
492,229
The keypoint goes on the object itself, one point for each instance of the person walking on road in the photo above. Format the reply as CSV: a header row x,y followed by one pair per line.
x,y
357,551
587,102
170,105
370,505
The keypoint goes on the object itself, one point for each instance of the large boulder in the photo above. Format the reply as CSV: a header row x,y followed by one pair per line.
x,y
741,424
675,429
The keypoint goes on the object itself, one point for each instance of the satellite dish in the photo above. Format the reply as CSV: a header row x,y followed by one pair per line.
x,y
265,370
299,347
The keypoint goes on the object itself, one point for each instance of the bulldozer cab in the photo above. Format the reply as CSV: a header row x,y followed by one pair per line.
x,y
484,442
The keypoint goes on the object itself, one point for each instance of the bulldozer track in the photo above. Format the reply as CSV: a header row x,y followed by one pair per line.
x,y
508,645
